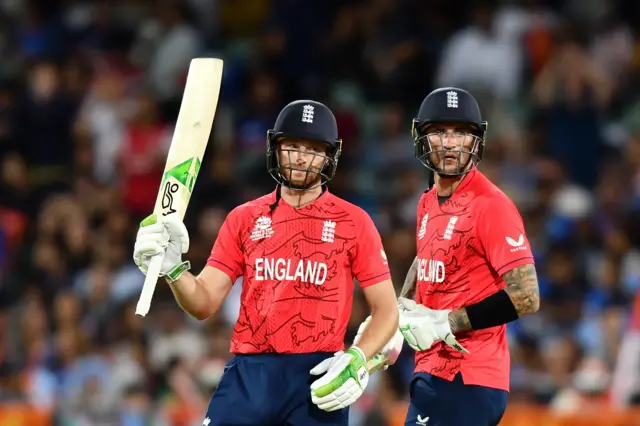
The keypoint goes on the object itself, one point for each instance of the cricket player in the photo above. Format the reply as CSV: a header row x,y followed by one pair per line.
x,y
298,250
474,273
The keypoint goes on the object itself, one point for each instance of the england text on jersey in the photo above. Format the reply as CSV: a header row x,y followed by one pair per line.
x,y
431,270
280,269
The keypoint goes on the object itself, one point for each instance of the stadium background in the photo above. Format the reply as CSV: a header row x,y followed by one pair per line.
x,y
89,91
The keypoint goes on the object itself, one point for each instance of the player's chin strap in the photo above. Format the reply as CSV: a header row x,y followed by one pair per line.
x,y
273,206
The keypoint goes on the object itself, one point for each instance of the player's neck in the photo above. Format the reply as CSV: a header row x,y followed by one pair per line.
x,y
297,198
447,185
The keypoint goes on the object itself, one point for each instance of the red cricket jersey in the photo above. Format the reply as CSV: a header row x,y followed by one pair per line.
x,y
298,267
464,246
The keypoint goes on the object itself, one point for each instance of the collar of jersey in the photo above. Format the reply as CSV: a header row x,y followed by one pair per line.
x,y
466,181
316,203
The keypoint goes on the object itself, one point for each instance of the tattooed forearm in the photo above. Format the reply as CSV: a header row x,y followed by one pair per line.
x,y
522,288
409,286
459,321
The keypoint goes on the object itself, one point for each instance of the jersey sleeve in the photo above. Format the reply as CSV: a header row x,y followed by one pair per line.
x,y
369,262
226,254
502,235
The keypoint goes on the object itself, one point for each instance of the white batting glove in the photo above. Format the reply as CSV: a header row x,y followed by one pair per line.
x,y
344,380
162,235
422,327
389,353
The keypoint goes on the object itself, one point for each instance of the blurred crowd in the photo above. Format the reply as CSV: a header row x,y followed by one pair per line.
x,y
90,90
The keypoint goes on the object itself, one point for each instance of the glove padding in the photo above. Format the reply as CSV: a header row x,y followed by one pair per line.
x,y
162,235
345,378
389,353
422,327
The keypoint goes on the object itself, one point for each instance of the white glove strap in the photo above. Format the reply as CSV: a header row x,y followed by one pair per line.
x,y
357,349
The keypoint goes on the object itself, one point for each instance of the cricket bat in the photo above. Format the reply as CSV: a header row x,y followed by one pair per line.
x,y
189,142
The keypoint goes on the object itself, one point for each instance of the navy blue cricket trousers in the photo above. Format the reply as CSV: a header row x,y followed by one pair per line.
x,y
439,402
270,390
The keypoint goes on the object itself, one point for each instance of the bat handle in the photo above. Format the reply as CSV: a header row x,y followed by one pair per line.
x,y
144,302
376,363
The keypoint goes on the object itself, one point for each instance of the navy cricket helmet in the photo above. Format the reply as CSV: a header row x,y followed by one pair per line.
x,y
307,120
449,105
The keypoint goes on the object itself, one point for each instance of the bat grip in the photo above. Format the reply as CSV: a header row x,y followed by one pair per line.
x,y
150,280
376,363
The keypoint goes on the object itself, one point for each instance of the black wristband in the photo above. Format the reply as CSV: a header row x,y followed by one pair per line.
x,y
495,310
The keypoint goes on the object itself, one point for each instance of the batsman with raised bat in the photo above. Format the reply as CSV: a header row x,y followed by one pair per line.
x,y
298,250
474,273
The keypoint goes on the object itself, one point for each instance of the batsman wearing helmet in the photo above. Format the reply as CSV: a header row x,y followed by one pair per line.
x,y
298,250
474,273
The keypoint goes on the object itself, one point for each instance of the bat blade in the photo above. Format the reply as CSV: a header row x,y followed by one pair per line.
x,y
188,145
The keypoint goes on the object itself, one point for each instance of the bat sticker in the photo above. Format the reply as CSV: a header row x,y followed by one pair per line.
x,y
167,197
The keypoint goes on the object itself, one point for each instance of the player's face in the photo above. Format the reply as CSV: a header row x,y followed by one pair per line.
x,y
301,160
451,146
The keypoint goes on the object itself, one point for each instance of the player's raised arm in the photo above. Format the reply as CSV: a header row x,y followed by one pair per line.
x,y
501,232
200,296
